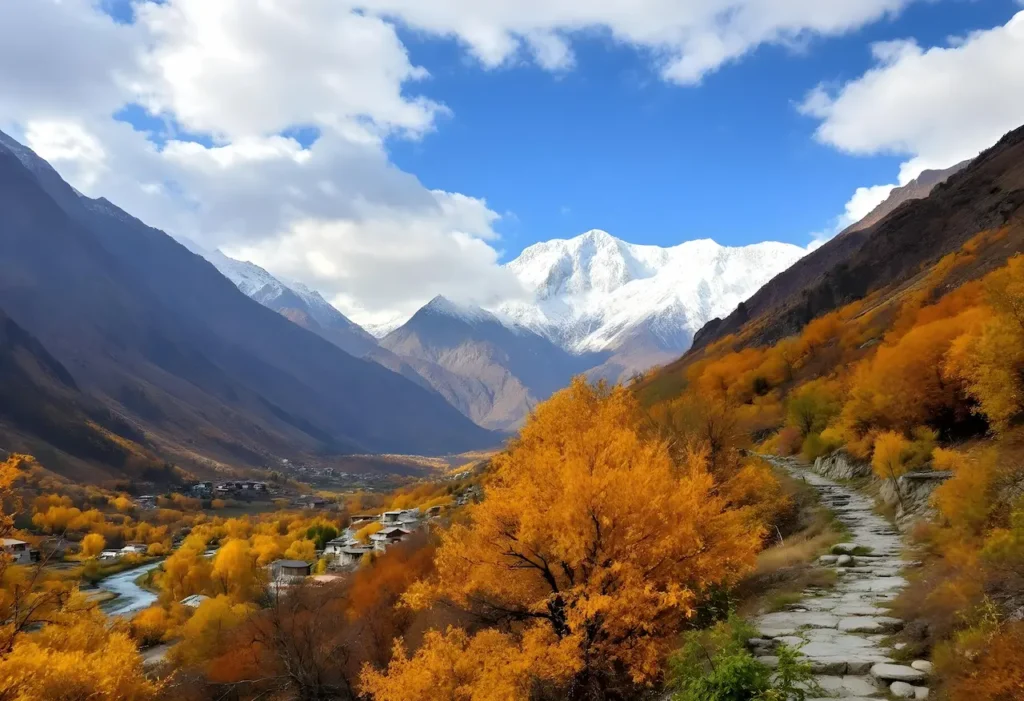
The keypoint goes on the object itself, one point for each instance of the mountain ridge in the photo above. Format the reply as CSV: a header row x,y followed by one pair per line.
x,y
156,332
985,193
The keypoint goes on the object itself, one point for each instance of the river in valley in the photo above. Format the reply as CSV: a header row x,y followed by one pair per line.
x,y
130,596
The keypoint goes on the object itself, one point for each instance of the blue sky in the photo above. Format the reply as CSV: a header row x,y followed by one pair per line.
x,y
608,145
386,151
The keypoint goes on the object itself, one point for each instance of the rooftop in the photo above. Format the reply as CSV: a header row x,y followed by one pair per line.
x,y
291,563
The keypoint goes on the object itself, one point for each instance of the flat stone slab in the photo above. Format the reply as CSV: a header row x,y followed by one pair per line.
x,y
870,624
798,620
857,610
897,673
849,685
878,584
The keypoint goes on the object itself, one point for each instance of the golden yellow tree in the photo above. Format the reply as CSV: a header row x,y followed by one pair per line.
x,y
76,656
187,571
590,534
208,628
235,570
53,643
301,550
93,544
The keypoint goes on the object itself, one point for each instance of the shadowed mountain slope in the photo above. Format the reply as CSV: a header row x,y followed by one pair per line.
x,y
986,194
156,333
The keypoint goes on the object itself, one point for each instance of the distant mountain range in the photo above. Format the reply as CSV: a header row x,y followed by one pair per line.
x,y
593,304
172,356
121,347
638,305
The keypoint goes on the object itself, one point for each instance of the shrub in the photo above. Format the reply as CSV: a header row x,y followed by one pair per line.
x,y
816,445
787,441
715,665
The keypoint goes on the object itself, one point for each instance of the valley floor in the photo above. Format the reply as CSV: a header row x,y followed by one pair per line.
x,y
844,630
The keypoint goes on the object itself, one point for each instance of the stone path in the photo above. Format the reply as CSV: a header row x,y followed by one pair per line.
x,y
840,630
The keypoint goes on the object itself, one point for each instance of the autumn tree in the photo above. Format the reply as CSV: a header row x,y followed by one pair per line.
x,y
991,358
811,407
592,539
187,570
93,544
53,643
301,549
488,666
235,571
25,602
888,460
205,633
905,385
76,656
373,604
300,647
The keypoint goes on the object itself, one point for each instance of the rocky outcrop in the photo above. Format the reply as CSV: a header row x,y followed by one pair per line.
x,y
910,495
840,466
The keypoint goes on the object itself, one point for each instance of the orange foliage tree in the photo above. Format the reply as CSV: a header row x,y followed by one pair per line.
x,y
991,359
592,539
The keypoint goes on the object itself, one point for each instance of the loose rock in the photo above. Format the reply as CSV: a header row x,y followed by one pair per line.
x,y
922,665
901,690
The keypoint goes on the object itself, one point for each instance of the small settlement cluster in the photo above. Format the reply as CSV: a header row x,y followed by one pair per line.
x,y
346,551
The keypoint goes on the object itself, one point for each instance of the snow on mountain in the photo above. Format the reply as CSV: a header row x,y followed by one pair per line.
x,y
299,303
248,277
463,312
596,292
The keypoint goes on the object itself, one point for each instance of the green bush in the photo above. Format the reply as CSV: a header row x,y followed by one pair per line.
x,y
715,665
814,446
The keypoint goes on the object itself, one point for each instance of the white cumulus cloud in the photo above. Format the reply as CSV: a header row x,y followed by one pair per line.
x,y
229,85
935,106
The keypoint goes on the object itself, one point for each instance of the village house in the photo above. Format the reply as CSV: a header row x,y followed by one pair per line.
x,y
194,601
352,555
386,537
405,517
19,551
334,547
110,554
202,489
285,572
135,549
307,501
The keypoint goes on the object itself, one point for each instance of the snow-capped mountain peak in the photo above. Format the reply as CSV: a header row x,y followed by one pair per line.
x,y
596,292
